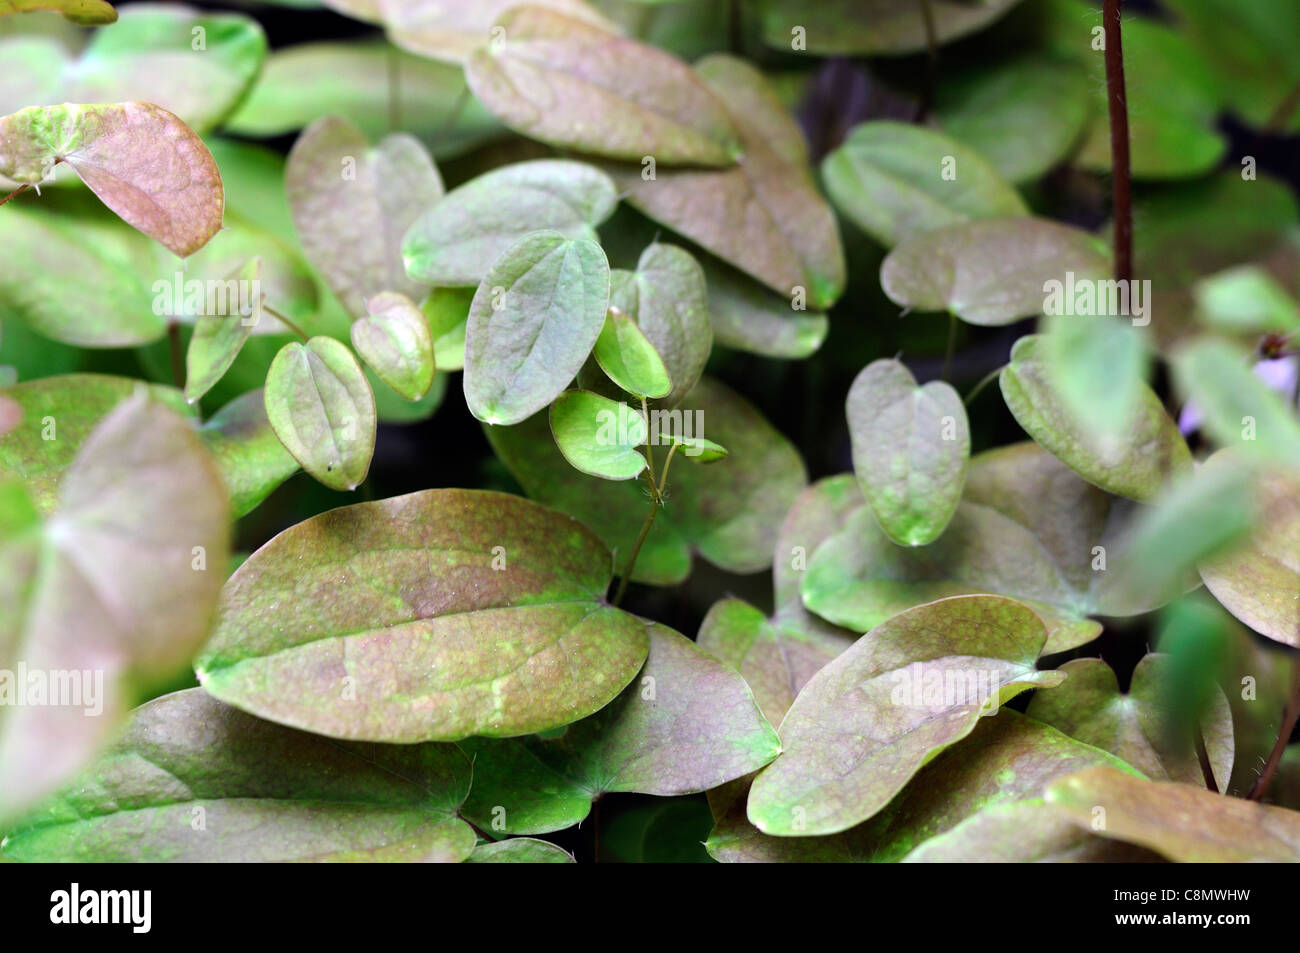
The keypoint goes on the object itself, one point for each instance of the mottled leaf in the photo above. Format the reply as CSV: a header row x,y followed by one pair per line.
x,y
352,203
519,850
264,793
456,241
431,616
689,723
395,341
323,410
765,215
728,512
118,584
668,299
533,321
910,449
894,180
599,436
1133,461
748,317
143,163
1185,823
450,30
250,456
549,74
990,272
218,338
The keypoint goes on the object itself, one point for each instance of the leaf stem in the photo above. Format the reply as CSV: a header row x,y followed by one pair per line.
x,y
640,539
178,358
663,477
15,193
984,382
931,65
952,345
285,321
1121,169
1289,719
1203,756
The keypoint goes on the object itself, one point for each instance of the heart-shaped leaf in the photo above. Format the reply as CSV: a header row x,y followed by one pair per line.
x,y
910,449
533,321
431,616
456,241
625,353
1259,581
352,203
1136,727
748,317
599,436
867,722
668,299
1024,115
1186,823
115,588
1133,461
728,512
451,31
888,27
549,74
789,239
689,723
991,272
395,341
143,163
253,462
218,338
893,180
1004,760
322,409
81,12
519,850
192,779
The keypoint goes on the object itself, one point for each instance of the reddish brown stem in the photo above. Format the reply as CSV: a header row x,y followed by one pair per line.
x,y
1289,719
15,193
178,357
1203,756
1121,169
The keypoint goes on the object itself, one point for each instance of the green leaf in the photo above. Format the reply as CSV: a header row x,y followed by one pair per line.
x,y
57,415
1134,460
1029,831
1259,581
867,722
1246,300
130,561
689,723
1024,115
81,12
765,215
453,31
363,81
519,850
323,410
627,356
990,272
870,27
599,436
894,180
549,74
194,780
667,298
1004,760
1240,410
447,310
1185,823
352,203
532,323
252,460
218,338
698,449
210,60
143,163
1136,727
728,512
394,339
748,317
910,449
456,241
1027,528
431,616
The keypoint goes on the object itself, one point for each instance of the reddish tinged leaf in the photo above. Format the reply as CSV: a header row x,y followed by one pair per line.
x,y
142,161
